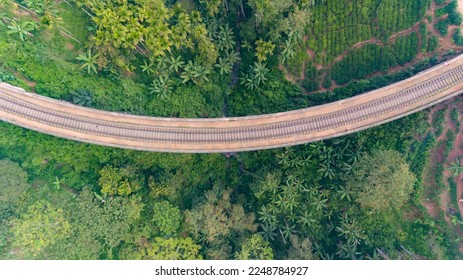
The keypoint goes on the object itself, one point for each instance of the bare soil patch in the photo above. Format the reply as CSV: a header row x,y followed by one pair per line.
x,y
460,6
69,46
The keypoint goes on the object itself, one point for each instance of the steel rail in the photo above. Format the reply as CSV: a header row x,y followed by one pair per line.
x,y
346,116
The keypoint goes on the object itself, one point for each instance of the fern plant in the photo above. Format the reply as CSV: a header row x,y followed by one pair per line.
x,y
81,97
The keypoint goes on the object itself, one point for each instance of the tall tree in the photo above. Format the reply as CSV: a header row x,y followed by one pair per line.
x,y
166,217
381,180
39,227
117,181
255,248
167,249
13,182
98,227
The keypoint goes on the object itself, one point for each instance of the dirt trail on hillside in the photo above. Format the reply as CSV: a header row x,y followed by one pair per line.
x,y
445,203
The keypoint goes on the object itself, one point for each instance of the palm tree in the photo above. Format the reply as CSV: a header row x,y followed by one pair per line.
x,y
225,39
327,171
57,183
349,229
268,231
20,29
232,57
265,215
36,5
161,65
161,87
248,81
456,168
327,155
345,193
256,77
247,45
195,73
187,74
147,67
347,250
306,219
89,61
224,66
175,63
287,230
319,203
260,72
47,9
264,49
212,28
287,52
81,97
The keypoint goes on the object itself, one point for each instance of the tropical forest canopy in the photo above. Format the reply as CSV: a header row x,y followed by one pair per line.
x,y
353,197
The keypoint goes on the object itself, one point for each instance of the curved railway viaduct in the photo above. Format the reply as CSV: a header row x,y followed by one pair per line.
x,y
346,116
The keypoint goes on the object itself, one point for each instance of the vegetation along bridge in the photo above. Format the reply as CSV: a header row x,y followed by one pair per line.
x,y
65,120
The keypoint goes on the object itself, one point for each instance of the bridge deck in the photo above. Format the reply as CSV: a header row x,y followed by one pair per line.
x,y
232,134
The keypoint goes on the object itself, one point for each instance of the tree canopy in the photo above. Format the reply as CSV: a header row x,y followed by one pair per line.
x,y
39,227
381,180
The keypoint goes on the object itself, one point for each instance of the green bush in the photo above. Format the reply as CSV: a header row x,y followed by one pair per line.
x,y
457,37
438,122
433,43
442,26
424,37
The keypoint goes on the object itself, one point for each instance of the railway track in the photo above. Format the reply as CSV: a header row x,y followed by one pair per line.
x,y
231,134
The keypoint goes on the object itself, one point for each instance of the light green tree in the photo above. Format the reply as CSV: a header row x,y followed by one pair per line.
x,y
98,228
217,217
167,249
263,50
166,217
39,227
255,248
211,6
114,182
381,180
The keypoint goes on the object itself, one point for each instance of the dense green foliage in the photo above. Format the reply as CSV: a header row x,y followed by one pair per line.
x,y
382,181
433,43
41,226
458,37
